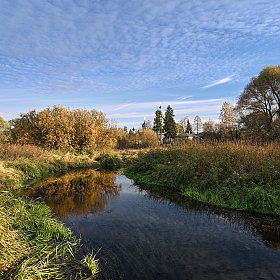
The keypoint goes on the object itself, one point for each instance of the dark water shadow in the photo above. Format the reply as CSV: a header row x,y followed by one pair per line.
x,y
263,226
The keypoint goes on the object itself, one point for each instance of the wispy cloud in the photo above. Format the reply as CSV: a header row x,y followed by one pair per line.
x,y
122,107
222,81
115,45
111,54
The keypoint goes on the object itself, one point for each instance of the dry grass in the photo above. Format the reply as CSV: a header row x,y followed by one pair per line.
x,y
14,152
240,175
19,163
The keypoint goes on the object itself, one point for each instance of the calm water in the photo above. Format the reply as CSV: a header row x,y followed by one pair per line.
x,y
156,236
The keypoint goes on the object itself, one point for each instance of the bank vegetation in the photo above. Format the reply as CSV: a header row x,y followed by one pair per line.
x,y
33,244
239,175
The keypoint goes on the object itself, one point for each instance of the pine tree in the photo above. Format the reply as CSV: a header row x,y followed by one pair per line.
x,y
169,127
158,122
189,127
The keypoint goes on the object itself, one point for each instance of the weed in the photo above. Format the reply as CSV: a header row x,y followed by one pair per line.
x,y
90,262
239,175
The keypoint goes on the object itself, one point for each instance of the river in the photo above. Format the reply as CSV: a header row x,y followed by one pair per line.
x,y
143,235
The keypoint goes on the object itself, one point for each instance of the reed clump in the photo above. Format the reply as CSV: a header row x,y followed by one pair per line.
x,y
34,245
239,175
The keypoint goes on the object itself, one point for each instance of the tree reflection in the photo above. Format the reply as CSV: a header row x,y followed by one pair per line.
x,y
77,193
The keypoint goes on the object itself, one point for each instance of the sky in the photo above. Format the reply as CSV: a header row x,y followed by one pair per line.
x,y
125,58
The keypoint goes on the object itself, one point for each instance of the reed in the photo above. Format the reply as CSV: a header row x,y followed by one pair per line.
x,y
239,175
34,245
90,262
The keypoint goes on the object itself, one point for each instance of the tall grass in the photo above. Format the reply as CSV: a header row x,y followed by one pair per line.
x,y
239,175
34,245
20,163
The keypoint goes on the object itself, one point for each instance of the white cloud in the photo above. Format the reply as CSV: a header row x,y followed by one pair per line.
x,y
128,45
115,53
222,81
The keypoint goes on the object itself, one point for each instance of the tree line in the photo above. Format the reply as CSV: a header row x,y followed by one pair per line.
x,y
255,116
60,127
80,129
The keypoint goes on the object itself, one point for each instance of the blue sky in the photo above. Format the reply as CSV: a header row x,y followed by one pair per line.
x,y
125,57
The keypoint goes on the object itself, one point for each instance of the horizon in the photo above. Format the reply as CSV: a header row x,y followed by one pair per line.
x,y
125,58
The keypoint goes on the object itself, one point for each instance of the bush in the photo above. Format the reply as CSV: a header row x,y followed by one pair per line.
x,y
110,162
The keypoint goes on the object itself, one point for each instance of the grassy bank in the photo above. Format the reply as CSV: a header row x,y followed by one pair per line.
x,y
34,245
241,175
21,163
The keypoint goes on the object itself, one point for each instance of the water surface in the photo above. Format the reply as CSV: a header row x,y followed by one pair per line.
x,y
144,235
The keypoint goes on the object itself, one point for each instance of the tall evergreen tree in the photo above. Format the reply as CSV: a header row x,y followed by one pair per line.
x,y
158,122
169,127
189,127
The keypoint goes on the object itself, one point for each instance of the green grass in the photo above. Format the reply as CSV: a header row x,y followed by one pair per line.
x,y
236,175
22,163
90,262
33,244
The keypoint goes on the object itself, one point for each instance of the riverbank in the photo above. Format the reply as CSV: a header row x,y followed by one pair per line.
x,y
236,175
33,244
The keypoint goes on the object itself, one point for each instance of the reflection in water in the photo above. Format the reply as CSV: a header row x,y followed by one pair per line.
x,y
77,193
263,226
155,235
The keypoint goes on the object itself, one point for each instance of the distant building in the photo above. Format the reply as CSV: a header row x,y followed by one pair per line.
x,y
133,130
193,137
144,124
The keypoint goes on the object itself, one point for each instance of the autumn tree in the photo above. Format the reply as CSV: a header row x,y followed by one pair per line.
x,y
180,129
24,130
60,127
169,127
208,126
259,104
197,124
269,82
228,119
121,136
4,128
149,139
213,130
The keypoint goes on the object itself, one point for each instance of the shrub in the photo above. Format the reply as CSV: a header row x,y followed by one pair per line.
x,y
110,162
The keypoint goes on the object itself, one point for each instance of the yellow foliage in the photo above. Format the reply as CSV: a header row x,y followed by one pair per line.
x,y
60,127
